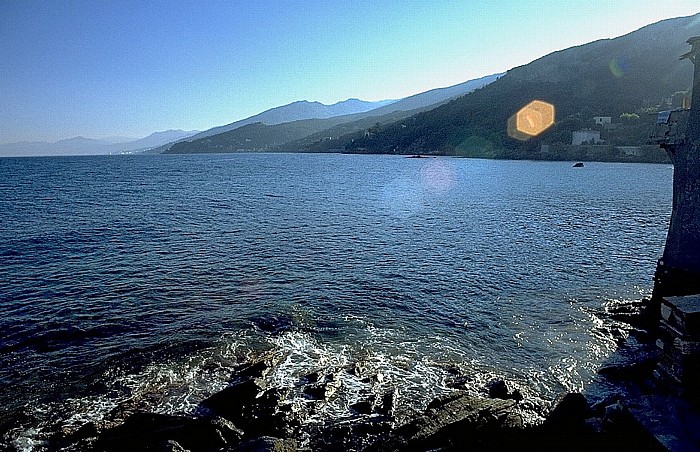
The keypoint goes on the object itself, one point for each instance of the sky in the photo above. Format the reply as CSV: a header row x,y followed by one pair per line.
x,y
105,68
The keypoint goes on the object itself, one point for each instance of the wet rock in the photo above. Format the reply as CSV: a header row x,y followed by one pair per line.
x,y
388,404
273,324
569,413
257,368
639,369
348,434
267,444
149,430
167,446
364,406
83,436
459,382
309,378
499,390
324,389
451,425
231,402
358,369
443,400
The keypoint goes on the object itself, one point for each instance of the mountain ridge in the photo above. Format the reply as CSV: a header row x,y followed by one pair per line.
x,y
630,74
269,137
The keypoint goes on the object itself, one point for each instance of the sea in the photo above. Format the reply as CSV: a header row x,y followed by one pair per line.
x,y
141,281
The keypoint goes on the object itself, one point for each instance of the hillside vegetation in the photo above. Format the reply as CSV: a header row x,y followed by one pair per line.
x,y
627,77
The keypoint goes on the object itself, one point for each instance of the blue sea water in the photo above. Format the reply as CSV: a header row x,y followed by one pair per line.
x,y
142,279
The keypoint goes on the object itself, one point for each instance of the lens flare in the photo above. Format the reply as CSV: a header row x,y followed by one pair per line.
x,y
531,120
437,176
617,67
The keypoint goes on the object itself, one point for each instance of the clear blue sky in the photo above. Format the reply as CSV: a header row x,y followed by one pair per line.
x,y
103,68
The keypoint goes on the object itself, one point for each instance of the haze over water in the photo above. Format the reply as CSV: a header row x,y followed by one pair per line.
x,y
119,273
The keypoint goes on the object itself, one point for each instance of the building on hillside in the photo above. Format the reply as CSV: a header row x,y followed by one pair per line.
x,y
601,120
630,150
586,136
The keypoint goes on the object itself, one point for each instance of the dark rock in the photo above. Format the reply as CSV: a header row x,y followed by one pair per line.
x,y
442,400
459,382
309,378
149,430
640,369
363,407
324,389
497,389
516,395
449,425
316,392
230,402
267,444
257,415
83,435
273,323
255,369
513,421
348,434
569,413
388,404
167,446
598,408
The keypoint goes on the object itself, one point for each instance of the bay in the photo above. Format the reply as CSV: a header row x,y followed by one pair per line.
x,y
118,271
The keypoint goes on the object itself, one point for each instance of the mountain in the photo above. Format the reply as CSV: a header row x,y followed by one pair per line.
x,y
303,134
302,109
89,146
626,77
436,96
157,139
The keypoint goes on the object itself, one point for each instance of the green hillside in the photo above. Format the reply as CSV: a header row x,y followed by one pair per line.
x,y
629,76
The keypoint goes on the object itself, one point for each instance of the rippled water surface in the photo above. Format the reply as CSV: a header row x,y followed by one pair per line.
x,y
121,276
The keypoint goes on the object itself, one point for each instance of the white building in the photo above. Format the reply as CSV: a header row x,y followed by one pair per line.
x,y
600,120
587,136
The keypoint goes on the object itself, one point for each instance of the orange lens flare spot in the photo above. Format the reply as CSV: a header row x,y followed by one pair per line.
x,y
531,120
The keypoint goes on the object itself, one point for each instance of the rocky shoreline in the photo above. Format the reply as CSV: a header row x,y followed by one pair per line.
x,y
250,416
257,413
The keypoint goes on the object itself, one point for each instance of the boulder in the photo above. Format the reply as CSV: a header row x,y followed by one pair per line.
x,y
323,389
499,390
266,444
363,407
388,404
569,413
232,402
456,423
151,430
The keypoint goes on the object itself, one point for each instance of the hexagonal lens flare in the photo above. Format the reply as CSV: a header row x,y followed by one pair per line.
x,y
531,120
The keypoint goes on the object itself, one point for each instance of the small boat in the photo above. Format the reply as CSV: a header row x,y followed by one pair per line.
x,y
578,165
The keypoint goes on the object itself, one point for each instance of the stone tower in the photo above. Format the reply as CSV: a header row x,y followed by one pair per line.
x,y
678,271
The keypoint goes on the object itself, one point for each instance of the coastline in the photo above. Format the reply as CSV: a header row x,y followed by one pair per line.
x,y
252,414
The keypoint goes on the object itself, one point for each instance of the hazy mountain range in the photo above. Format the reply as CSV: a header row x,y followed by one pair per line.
x,y
254,134
631,76
87,146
